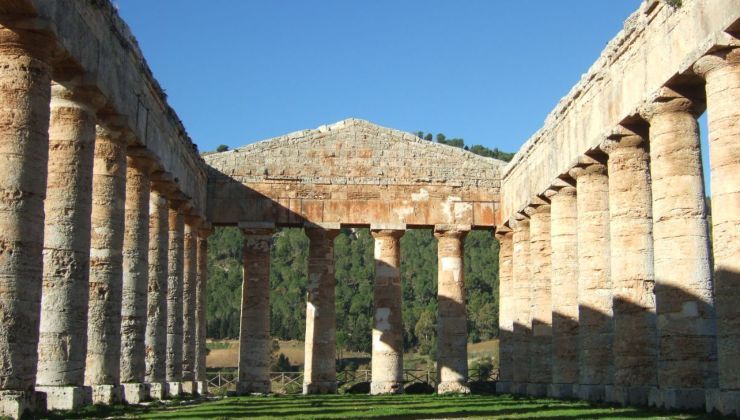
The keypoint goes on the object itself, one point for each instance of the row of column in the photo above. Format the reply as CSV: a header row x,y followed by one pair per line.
x,y
93,264
606,283
387,341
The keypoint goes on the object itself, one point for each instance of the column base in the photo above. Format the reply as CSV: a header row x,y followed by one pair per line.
x,y
252,387
677,398
174,389
64,397
628,395
329,387
135,392
158,391
519,388
202,388
381,388
561,391
189,387
106,394
593,393
453,387
503,387
726,403
537,390
15,404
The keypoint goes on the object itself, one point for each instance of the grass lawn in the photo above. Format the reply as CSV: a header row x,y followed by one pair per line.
x,y
363,406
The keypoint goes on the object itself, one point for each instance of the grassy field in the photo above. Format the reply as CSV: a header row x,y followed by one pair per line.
x,y
397,406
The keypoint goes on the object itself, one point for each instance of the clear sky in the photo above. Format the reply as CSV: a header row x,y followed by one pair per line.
x,y
489,71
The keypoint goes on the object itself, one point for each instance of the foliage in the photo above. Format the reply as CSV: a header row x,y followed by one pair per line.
x,y
477,149
222,148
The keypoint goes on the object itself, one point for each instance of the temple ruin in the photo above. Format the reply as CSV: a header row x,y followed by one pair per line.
x,y
609,287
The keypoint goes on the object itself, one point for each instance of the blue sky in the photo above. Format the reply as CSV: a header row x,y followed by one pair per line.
x,y
489,71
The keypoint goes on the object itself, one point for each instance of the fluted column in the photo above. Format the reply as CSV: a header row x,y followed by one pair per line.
x,y
540,366
387,353
721,71
506,310
595,317
521,279
319,375
68,207
156,327
254,335
564,287
452,319
135,277
25,89
631,227
102,369
189,291
176,223
201,301
687,357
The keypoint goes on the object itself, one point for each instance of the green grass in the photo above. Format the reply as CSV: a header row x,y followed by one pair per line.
x,y
396,406
217,345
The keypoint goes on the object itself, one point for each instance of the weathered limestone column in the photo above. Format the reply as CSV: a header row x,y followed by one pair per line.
x,y
319,375
506,310
687,358
189,291
156,327
452,319
254,336
564,287
595,317
68,208
387,356
721,70
102,369
631,227
521,279
200,309
540,367
135,277
25,89
175,268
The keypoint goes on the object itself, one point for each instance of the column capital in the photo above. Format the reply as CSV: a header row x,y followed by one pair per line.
x,y
716,60
78,93
257,228
622,137
139,159
114,129
205,230
24,37
667,100
193,220
560,191
387,233
588,169
451,231
537,209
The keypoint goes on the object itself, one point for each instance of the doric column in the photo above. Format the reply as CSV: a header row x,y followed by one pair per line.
x,y
319,375
721,70
254,329
540,367
156,326
452,319
24,146
135,276
189,289
200,309
564,287
687,357
68,207
595,317
631,227
505,309
102,369
175,269
387,356
521,278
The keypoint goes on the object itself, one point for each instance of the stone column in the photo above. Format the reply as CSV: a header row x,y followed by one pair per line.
x,y
687,358
564,220
68,207
135,276
320,371
201,301
595,317
189,290
540,366
387,356
24,146
175,258
631,227
452,319
156,327
506,310
721,70
254,336
521,278
102,369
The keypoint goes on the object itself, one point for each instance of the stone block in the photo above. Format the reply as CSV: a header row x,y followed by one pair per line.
x,y
189,387
174,389
561,391
623,395
537,390
320,388
677,399
595,393
451,387
158,391
63,397
202,388
15,404
106,394
135,393
384,388
503,387
724,402
252,387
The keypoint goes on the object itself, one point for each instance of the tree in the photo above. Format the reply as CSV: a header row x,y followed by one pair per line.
x,y
222,148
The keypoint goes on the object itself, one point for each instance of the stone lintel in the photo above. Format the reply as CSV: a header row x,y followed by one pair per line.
x,y
193,220
323,225
388,226
257,228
